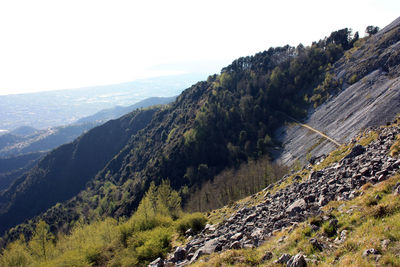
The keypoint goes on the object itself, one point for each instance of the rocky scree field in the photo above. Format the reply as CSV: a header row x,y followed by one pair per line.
x,y
315,204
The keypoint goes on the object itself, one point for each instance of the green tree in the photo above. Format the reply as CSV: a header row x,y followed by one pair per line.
x,y
42,240
168,200
371,30
16,255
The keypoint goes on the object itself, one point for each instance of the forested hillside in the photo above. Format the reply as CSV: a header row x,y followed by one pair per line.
x,y
213,125
64,172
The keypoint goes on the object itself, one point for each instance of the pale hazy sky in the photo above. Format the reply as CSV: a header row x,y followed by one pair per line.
x,y
54,44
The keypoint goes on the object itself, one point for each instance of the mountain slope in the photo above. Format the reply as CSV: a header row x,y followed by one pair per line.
x,y
66,170
303,195
373,97
12,168
213,125
342,211
42,140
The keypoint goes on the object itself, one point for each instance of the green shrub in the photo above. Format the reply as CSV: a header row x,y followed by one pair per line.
x,y
317,221
142,223
353,79
307,232
149,245
195,221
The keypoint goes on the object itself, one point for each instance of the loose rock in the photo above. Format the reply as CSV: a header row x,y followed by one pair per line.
x,y
297,261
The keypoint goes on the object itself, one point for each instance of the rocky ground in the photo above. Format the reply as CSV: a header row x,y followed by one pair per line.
x,y
296,202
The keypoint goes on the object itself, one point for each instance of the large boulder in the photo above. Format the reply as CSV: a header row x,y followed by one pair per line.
x,y
297,206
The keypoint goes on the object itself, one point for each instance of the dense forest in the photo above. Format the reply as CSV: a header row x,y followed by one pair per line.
x,y
223,123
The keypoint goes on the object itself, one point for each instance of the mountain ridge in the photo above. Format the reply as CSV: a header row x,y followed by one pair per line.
x,y
26,139
219,123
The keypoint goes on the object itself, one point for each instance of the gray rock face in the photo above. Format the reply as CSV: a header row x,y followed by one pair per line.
x,y
372,101
210,246
250,226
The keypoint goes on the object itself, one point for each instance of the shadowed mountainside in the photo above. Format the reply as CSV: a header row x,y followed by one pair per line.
x,y
64,172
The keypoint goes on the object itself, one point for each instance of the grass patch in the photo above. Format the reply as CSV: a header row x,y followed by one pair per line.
x,y
368,137
329,229
334,156
395,148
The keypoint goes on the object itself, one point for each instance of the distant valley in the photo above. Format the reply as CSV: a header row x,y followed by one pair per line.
x,y
63,107
23,147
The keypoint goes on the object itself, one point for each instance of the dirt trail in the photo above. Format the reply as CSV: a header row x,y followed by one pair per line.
x,y
314,130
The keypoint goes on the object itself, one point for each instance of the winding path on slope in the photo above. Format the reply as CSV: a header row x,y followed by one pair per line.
x,y
312,129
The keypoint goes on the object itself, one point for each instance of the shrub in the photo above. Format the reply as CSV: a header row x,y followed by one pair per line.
x,y
195,221
94,256
307,232
142,224
353,79
149,245
317,221
371,201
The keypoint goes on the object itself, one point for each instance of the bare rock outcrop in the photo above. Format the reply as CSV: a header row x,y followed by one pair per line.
x,y
371,101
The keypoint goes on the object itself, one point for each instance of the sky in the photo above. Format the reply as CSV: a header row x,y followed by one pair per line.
x,y
49,45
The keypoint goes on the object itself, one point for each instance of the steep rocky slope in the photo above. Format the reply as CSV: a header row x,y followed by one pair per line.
x,y
296,198
372,99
